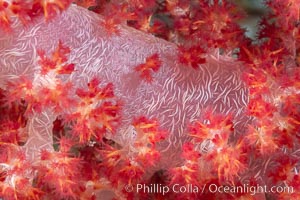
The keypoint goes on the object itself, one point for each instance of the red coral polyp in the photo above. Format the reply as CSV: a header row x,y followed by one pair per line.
x,y
152,64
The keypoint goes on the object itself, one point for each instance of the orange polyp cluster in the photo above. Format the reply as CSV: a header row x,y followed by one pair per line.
x,y
88,117
52,7
59,174
217,129
48,91
131,171
191,56
229,162
4,20
15,172
258,107
85,3
115,14
57,97
226,158
120,167
257,80
147,135
57,62
187,173
111,26
152,64
148,131
12,120
93,119
262,137
21,89
25,11
129,164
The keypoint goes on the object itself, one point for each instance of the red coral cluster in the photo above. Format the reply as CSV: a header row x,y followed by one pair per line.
x,y
86,160
25,11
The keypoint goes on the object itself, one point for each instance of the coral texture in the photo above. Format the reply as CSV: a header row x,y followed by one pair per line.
x,y
177,96
95,109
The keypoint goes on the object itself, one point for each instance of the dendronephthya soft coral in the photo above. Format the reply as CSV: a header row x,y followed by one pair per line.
x,y
95,109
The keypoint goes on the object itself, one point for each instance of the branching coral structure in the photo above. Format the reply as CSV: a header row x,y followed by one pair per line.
x,y
160,100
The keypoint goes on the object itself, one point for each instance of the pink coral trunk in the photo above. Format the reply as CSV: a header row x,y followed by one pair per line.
x,y
177,96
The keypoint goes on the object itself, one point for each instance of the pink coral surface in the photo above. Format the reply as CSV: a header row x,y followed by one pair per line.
x,y
177,96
